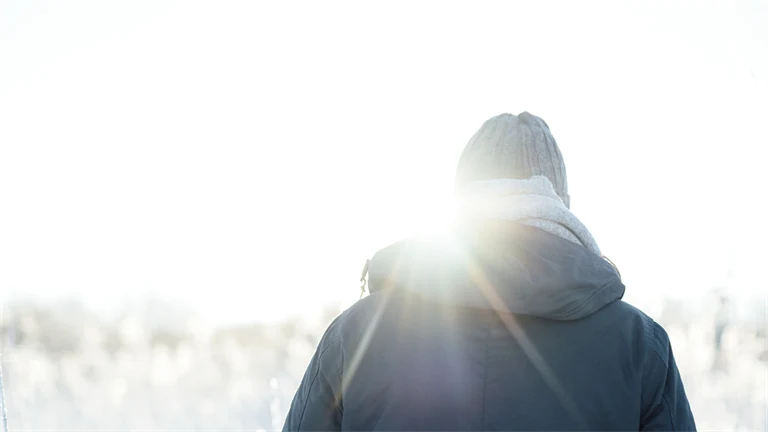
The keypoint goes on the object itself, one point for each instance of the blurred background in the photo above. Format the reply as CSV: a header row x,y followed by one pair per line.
x,y
189,189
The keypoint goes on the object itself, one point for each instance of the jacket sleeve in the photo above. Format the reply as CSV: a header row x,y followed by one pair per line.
x,y
317,403
665,405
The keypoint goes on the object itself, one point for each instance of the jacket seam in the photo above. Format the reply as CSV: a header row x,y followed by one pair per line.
x,y
669,410
664,398
340,372
585,303
312,382
664,362
485,373
643,387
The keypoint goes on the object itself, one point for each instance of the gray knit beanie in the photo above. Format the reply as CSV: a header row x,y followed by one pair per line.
x,y
517,147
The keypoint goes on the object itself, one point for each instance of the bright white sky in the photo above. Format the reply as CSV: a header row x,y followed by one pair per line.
x,y
247,157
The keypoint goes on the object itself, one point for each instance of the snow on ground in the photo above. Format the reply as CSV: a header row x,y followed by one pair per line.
x,y
67,369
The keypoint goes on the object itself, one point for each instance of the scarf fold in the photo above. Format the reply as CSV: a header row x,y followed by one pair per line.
x,y
532,202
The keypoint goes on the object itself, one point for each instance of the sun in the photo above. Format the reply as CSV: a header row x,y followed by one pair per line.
x,y
436,220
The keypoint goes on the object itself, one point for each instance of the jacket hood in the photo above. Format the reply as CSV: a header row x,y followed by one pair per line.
x,y
508,267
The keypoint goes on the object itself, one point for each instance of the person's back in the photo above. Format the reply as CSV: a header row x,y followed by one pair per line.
x,y
507,324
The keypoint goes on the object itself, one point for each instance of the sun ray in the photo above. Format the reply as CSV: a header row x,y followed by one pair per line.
x,y
365,340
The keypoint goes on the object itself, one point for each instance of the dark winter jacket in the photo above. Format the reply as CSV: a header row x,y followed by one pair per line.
x,y
513,329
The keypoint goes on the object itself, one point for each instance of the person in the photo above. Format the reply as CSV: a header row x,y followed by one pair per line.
x,y
514,321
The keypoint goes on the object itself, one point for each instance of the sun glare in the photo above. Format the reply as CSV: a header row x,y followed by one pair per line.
x,y
437,222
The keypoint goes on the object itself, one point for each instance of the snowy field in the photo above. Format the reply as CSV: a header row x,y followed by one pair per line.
x,y
66,369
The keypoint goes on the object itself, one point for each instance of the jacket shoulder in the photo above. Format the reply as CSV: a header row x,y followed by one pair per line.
x,y
644,332
353,320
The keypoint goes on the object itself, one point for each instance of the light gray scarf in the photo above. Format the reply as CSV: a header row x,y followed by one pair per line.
x,y
532,202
